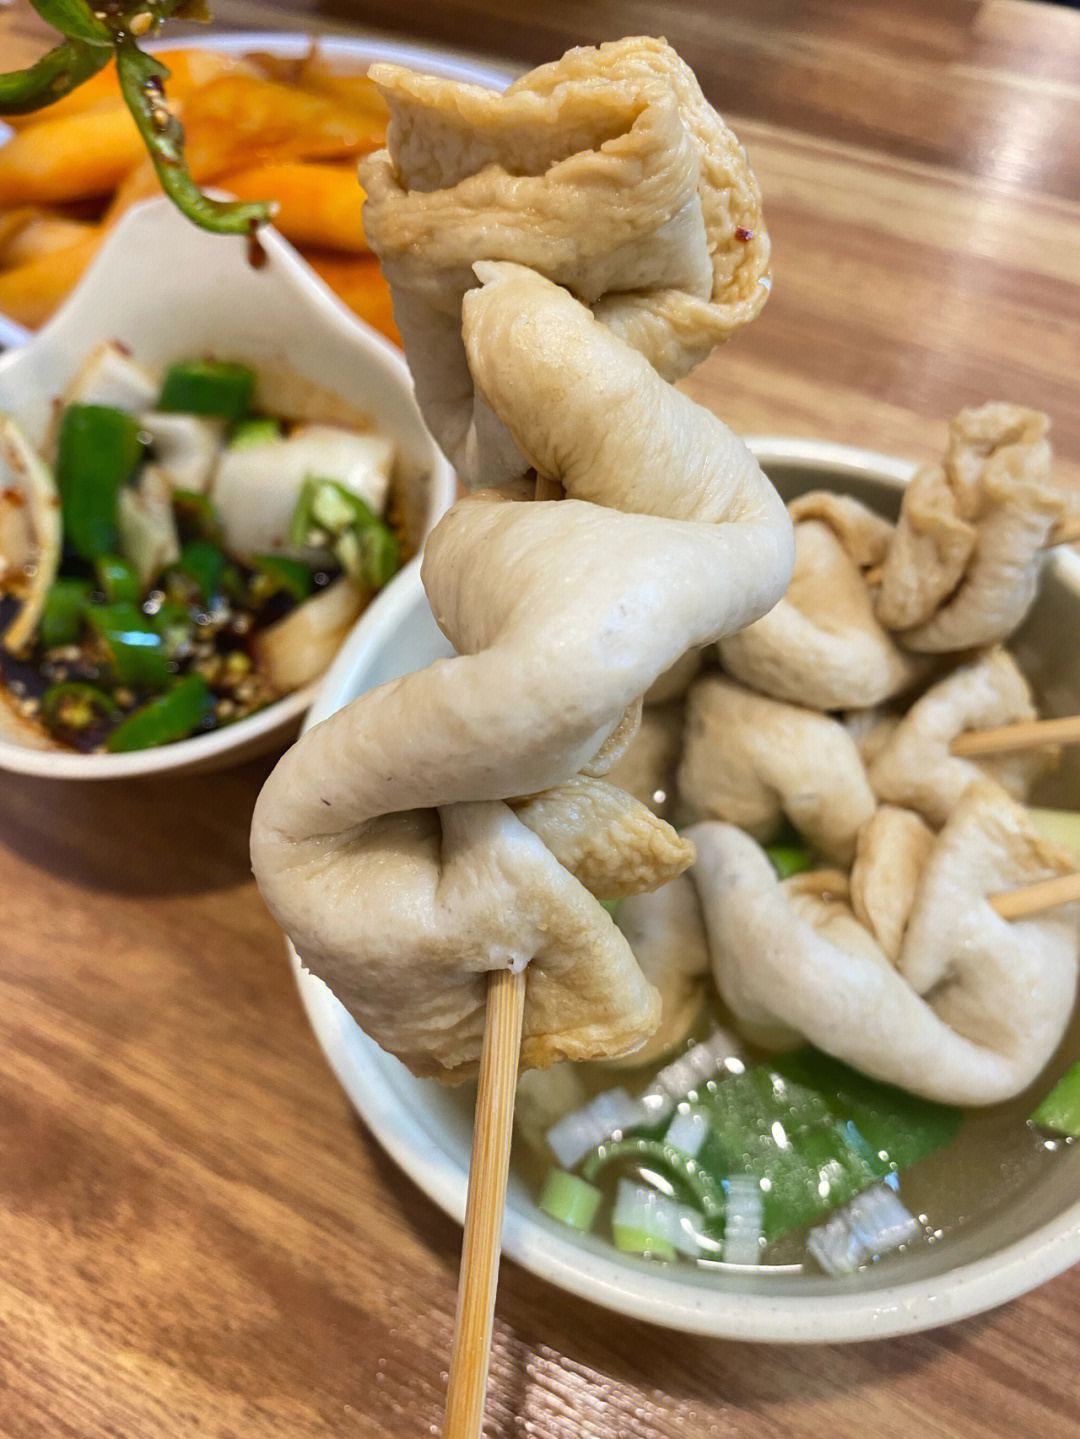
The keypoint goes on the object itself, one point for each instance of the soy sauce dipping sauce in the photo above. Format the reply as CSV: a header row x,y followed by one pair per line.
x,y
138,643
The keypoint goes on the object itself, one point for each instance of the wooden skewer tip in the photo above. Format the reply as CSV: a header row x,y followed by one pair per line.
x,y
1025,734
470,1356
1034,898
500,1056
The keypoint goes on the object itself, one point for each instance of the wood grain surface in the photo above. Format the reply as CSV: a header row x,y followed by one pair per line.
x,y
196,1236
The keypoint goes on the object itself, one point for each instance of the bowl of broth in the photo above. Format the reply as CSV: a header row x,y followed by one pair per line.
x,y
992,1196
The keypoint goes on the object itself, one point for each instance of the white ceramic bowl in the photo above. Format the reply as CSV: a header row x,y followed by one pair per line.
x,y
427,1128
168,290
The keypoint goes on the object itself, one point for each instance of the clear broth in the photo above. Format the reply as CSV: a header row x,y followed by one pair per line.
x,y
997,1156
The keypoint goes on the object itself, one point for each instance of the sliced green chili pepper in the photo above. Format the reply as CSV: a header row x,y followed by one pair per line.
x,y
169,717
257,430
175,624
216,388
335,508
302,522
696,1183
75,705
365,546
56,74
369,552
62,612
76,20
142,84
88,46
197,515
380,554
92,37
205,564
278,574
98,449
136,650
118,580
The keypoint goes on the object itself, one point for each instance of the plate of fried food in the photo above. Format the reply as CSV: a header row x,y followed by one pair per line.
x,y
267,116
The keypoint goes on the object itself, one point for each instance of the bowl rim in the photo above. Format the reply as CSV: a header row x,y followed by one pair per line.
x,y
372,1081
461,64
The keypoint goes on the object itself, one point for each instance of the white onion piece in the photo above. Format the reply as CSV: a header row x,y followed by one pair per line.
x,y
543,1096
696,1067
687,1132
186,447
146,525
868,1227
579,1132
743,1220
109,376
31,533
256,487
298,648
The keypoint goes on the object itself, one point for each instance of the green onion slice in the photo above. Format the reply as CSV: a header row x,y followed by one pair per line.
x,y
570,1199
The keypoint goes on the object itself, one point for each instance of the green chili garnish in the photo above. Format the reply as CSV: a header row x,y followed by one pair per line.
x,y
256,430
56,74
280,575
329,514
204,564
136,651
696,1184
142,83
76,20
169,717
218,389
380,554
91,37
62,612
98,449
118,580
75,705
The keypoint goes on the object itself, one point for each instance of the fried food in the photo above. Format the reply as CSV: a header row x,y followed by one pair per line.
x,y
256,127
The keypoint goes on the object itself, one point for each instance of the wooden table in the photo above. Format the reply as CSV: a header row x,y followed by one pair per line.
x,y
196,1237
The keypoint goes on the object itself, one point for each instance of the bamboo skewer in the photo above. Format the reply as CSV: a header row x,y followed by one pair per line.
x,y
471,1352
1017,903
478,1278
1025,734
1006,739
